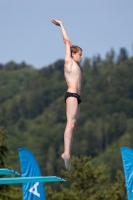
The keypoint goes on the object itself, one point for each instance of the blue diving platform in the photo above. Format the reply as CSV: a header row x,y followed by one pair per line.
x,y
7,171
17,180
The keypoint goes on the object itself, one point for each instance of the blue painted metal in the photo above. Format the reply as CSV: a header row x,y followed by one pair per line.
x,y
17,180
6,171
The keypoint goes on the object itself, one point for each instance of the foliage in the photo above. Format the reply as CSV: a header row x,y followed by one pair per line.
x,y
88,183
3,148
6,192
33,109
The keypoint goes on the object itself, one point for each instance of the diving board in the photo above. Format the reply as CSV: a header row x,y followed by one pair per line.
x,y
6,171
17,180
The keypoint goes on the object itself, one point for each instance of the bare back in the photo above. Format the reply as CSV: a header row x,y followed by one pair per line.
x,y
72,73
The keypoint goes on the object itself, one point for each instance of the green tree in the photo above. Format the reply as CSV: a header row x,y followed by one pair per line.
x,y
88,183
3,147
6,192
123,55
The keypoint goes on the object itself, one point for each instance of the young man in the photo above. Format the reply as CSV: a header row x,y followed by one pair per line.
x,y
72,74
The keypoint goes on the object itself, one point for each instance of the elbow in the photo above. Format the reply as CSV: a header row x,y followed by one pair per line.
x,y
67,41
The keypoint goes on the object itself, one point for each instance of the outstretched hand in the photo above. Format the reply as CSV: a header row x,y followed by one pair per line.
x,y
56,22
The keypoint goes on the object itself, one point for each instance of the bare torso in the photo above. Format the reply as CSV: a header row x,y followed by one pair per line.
x,y
72,73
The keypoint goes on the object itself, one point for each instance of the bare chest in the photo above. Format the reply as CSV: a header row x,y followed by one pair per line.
x,y
73,70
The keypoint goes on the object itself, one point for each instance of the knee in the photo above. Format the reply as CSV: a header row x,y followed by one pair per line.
x,y
72,123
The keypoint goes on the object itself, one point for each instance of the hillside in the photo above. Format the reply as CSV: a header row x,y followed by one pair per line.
x,y
33,109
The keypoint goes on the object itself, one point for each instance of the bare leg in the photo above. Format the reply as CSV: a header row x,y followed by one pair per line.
x,y
72,110
75,125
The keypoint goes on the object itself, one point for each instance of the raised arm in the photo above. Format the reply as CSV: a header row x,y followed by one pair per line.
x,y
66,39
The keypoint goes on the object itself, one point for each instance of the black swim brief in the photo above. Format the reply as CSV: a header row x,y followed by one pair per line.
x,y
69,94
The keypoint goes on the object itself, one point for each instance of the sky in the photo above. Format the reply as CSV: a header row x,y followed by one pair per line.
x,y
97,26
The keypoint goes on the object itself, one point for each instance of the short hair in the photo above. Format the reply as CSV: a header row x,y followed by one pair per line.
x,y
75,49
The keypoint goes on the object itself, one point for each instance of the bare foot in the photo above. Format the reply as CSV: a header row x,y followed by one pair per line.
x,y
67,161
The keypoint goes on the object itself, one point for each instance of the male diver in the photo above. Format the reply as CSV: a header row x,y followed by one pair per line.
x,y
72,73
